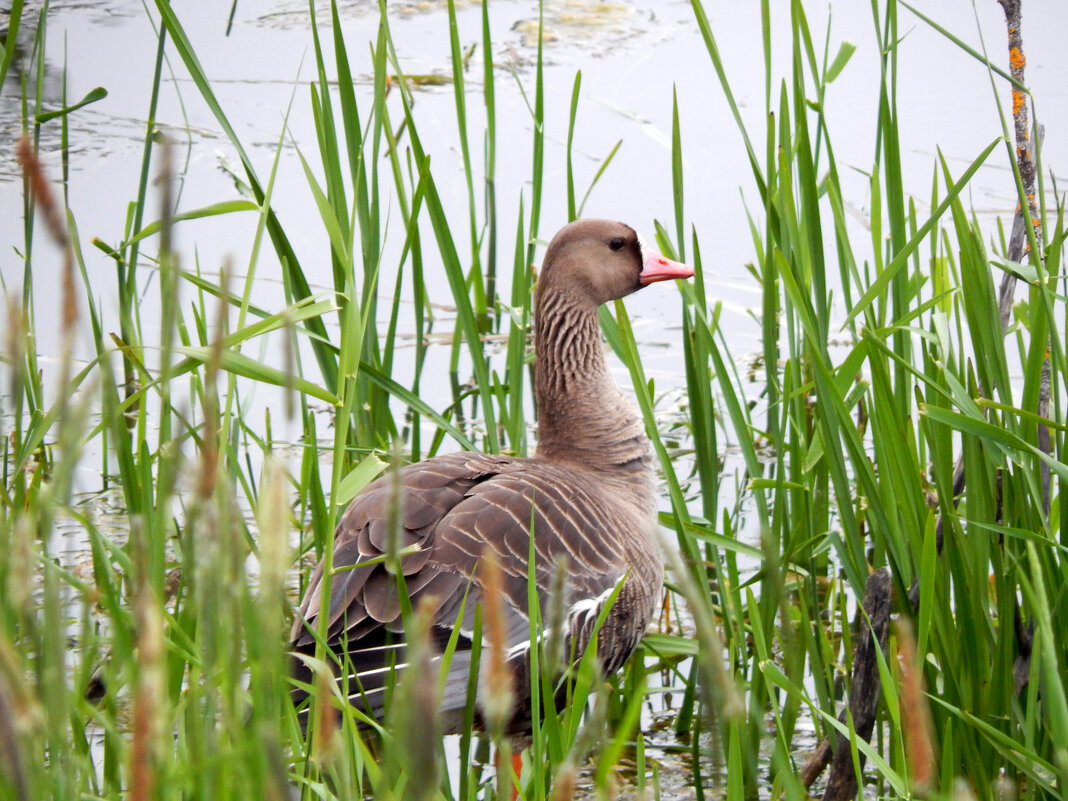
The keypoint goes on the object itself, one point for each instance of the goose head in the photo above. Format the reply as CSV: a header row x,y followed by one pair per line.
x,y
597,261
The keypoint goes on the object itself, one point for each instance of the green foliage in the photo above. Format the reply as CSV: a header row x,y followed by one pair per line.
x,y
159,671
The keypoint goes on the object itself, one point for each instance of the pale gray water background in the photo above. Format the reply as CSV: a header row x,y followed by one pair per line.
x,y
631,56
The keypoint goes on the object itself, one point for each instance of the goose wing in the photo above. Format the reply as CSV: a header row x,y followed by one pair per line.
x,y
456,508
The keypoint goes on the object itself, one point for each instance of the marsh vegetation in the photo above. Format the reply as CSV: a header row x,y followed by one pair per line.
x,y
180,437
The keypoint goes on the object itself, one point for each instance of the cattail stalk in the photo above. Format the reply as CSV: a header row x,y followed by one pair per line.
x,y
915,714
497,698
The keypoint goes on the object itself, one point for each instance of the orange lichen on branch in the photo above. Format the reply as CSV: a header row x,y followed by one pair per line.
x,y
1017,60
1018,101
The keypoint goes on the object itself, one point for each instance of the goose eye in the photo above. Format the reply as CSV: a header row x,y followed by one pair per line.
x,y
616,243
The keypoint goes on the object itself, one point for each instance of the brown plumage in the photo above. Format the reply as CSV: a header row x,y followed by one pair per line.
x,y
587,494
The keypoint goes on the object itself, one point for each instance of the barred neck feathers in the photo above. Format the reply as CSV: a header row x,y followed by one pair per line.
x,y
583,415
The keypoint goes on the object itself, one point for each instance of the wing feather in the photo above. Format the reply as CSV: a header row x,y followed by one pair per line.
x,y
454,509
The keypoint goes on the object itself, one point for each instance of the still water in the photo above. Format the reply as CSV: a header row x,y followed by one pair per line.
x,y
632,57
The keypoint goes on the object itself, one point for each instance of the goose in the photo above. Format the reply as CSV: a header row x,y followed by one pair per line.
x,y
587,496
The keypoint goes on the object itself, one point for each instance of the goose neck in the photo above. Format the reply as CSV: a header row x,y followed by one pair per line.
x,y
583,415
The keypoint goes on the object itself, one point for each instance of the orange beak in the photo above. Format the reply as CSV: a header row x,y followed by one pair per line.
x,y
660,268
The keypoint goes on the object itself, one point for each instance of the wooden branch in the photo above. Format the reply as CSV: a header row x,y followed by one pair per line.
x,y
864,696
1020,115
1019,247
